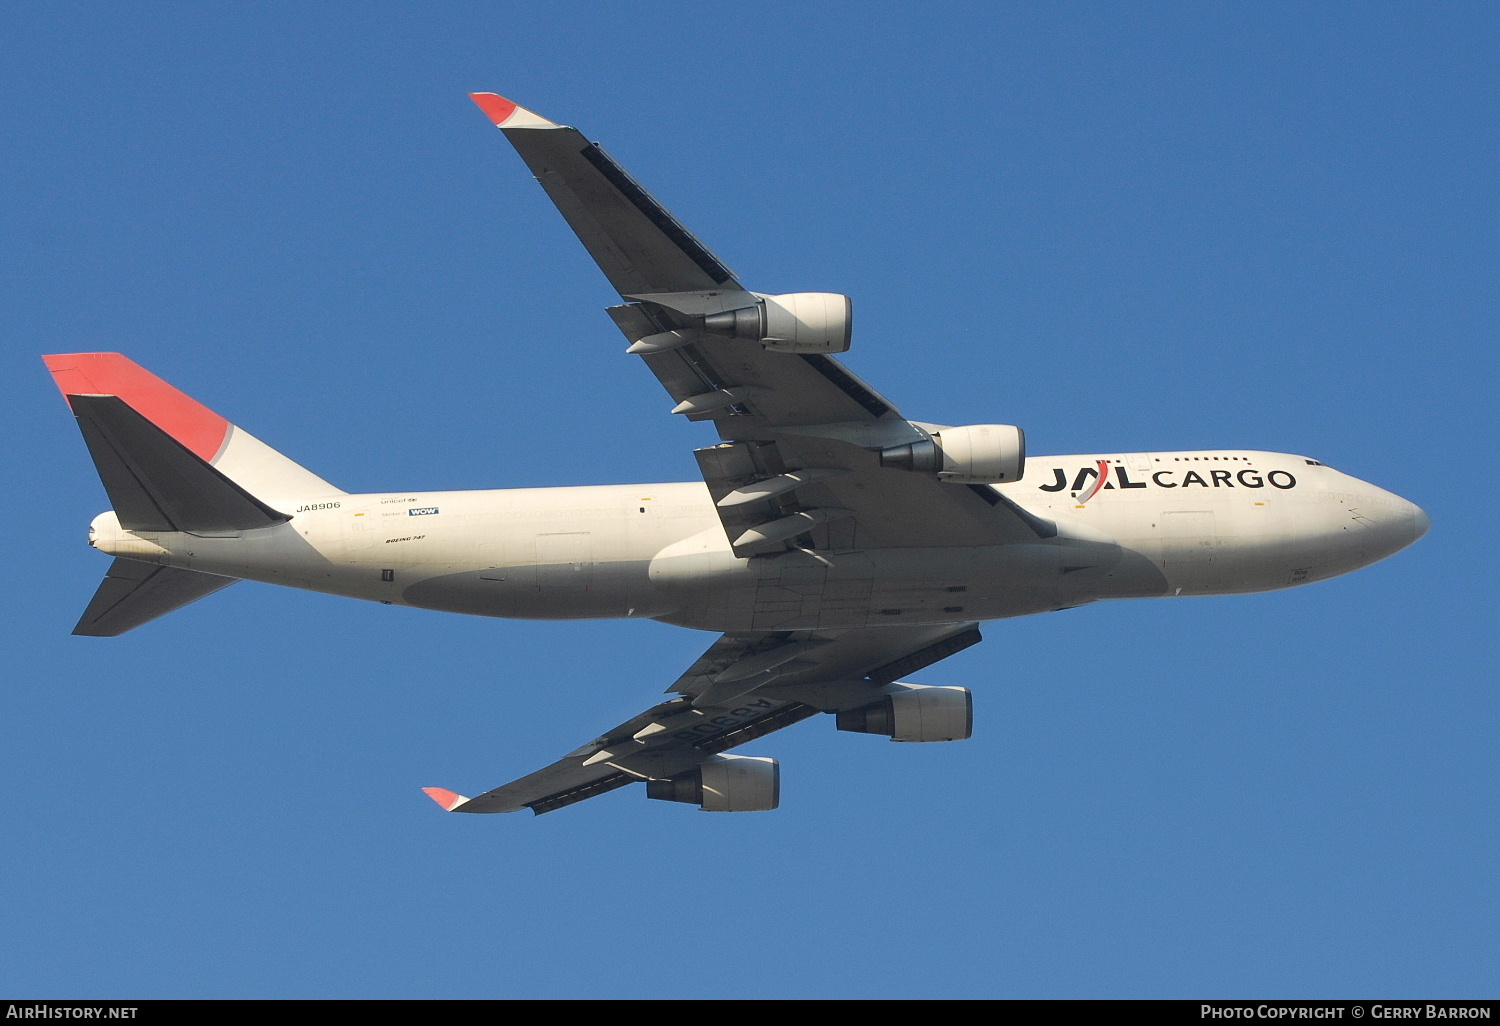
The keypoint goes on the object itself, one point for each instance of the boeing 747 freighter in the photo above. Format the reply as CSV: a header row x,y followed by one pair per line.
x,y
836,546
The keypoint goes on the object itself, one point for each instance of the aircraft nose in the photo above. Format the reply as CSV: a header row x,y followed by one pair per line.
x,y
1395,521
1420,521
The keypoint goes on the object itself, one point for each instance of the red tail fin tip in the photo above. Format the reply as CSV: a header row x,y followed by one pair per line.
x,y
197,427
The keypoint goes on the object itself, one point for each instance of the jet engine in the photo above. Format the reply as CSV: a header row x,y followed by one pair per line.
x,y
977,454
724,783
799,322
915,712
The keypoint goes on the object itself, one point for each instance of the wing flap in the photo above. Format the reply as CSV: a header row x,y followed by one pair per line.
x,y
601,786
898,509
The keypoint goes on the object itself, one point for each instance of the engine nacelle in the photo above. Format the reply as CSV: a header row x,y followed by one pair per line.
x,y
799,322
724,783
977,454
915,712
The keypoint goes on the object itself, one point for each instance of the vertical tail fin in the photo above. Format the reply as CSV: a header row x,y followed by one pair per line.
x,y
261,471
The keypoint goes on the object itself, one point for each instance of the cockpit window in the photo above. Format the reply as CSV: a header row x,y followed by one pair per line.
x,y
1312,463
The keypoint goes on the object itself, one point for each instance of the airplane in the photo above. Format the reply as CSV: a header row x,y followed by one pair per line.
x,y
836,546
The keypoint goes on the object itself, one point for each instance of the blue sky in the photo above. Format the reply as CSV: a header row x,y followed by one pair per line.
x,y
1121,226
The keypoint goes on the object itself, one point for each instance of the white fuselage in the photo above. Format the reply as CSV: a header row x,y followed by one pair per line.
x,y
1193,523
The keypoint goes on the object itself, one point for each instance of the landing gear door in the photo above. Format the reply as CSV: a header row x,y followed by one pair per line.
x,y
565,562
1188,538
492,555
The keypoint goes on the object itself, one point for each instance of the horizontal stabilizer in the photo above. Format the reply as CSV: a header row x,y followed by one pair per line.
x,y
156,483
133,593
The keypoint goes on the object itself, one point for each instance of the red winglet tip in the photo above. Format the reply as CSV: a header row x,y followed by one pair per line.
x,y
449,800
496,107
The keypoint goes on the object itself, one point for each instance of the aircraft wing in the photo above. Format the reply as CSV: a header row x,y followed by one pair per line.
x,y
799,463
744,687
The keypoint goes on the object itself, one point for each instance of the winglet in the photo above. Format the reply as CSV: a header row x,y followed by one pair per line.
x,y
449,800
507,113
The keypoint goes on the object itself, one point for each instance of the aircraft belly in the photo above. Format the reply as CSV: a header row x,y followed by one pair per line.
x,y
545,592
540,572
802,591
